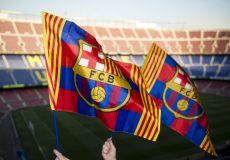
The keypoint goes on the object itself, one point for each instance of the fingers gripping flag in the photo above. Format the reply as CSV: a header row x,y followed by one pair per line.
x,y
82,79
181,109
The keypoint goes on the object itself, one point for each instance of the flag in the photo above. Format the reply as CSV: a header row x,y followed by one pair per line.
x,y
82,79
181,109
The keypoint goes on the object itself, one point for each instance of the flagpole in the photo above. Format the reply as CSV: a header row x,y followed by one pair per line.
x,y
56,131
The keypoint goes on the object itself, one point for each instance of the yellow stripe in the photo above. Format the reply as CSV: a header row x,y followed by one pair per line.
x,y
50,40
45,43
151,104
136,75
158,126
110,67
56,40
150,60
140,121
151,70
158,70
147,58
205,138
59,61
206,146
149,126
114,69
132,73
145,123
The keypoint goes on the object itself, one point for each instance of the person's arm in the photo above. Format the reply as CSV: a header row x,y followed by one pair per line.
x,y
109,150
59,155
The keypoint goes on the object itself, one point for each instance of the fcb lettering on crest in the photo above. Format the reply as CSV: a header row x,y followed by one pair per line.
x,y
94,84
180,97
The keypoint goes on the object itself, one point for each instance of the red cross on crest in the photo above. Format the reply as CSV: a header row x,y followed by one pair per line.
x,y
91,58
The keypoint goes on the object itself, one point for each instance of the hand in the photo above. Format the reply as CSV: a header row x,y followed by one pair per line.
x,y
59,155
109,150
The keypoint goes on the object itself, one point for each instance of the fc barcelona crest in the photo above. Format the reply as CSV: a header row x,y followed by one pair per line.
x,y
97,87
180,97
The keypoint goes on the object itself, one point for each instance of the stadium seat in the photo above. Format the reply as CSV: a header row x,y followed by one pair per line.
x,y
155,34
194,34
15,61
181,34
102,32
221,46
2,63
174,48
185,59
224,34
209,34
115,32
23,77
108,46
224,72
167,34
12,44
31,45
136,46
208,46
196,46
206,59
184,47
141,33
122,46
40,76
23,28
6,78
227,60
6,27
195,59
38,28
128,32
218,59
197,71
210,71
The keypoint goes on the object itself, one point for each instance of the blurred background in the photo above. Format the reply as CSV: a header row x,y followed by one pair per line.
x,y
195,33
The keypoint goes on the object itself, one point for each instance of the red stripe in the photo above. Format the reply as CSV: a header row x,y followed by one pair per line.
x,y
150,61
67,100
155,132
141,125
193,110
172,98
134,104
203,121
166,73
152,67
109,119
157,67
52,98
151,129
54,43
48,36
69,54
147,124
58,54
205,143
181,125
49,75
115,95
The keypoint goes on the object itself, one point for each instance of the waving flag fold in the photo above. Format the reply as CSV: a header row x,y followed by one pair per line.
x,y
181,110
82,79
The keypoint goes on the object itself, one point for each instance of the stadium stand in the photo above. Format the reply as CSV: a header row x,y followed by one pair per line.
x,y
204,54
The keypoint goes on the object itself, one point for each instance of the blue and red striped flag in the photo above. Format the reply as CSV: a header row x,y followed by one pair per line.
x,y
82,79
181,109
